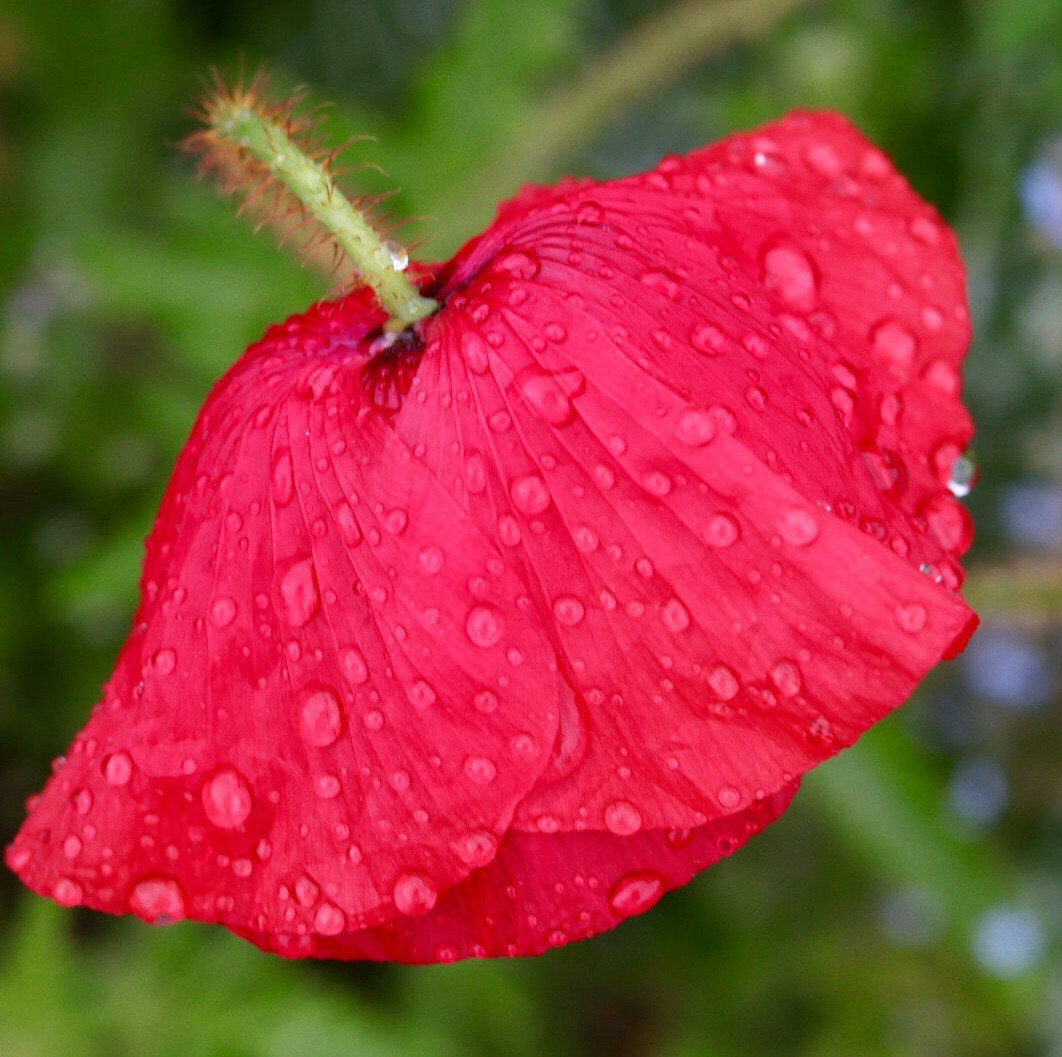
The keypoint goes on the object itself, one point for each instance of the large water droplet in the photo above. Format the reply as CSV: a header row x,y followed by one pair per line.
x,y
227,798
474,350
791,274
414,894
529,494
354,665
164,661
695,427
675,616
477,849
222,611
635,892
430,559
622,818
67,892
662,283
912,617
895,343
484,626
299,596
480,770
158,900
421,694
568,610
329,920
785,676
519,264
117,768
708,339
721,530
320,717
723,682
590,214
799,526
283,480
549,394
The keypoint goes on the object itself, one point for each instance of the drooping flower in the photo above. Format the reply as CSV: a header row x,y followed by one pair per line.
x,y
478,637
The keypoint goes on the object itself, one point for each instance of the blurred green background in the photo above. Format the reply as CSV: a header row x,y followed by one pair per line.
x,y
909,904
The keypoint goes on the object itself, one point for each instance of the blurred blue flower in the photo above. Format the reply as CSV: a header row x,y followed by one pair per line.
x,y
1008,941
1007,667
978,792
1040,189
1032,514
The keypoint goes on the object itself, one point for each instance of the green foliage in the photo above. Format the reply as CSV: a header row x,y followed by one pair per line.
x,y
126,288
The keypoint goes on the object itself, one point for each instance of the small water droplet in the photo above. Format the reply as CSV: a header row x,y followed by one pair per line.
x,y
72,846
327,786
756,396
723,682
480,770
636,892
518,264
942,376
622,818
391,255
721,530
529,494
729,797
484,626
164,661
791,274
329,920
354,665
414,894
950,522
227,798
662,283
708,339
785,676
222,611
117,768
320,718
568,610
395,521
590,214
695,427
963,475
283,479
298,594
430,559
549,394
67,893
82,801
158,900
895,343
474,350
799,526
421,694
912,617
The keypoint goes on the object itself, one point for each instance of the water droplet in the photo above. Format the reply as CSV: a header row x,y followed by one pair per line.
x,y
569,610
695,427
791,274
158,900
785,676
480,770
925,230
895,343
484,626
662,283
912,617
963,475
222,611
306,891
395,521
227,798
729,797
421,694
329,920
67,893
283,479
708,339
390,255
477,849
586,539
475,475
590,214
529,494
414,894
549,394
72,846
799,526
518,264
756,396
164,661
942,376
721,530
950,522
320,718
636,892
82,801
675,615
509,530
299,596
723,682
622,818
347,523
430,559
117,768
474,350
327,786
354,666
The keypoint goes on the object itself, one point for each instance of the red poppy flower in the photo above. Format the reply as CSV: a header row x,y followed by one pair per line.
x,y
477,639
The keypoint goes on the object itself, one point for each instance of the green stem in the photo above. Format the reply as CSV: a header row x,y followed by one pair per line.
x,y
376,261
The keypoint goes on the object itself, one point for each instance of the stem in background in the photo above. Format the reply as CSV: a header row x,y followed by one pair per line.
x,y
255,146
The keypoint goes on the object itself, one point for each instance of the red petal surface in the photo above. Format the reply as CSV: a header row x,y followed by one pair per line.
x,y
476,642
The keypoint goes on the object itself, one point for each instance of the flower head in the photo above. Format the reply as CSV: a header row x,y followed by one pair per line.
x,y
477,637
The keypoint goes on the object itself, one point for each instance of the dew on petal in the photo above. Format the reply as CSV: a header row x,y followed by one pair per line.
x,y
695,427
474,350
222,611
355,667
421,694
67,892
283,479
320,718
708,339
430,559
675,616
158,900
414,894
484,626
635,892
476,849
549,395
227,798
723,682
785,676
662,283
799,526
622,818
791,274
894,342
480,770
117,768
164,661
329,920
518,264
568,610
529,494
722,530
298,594
912,617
